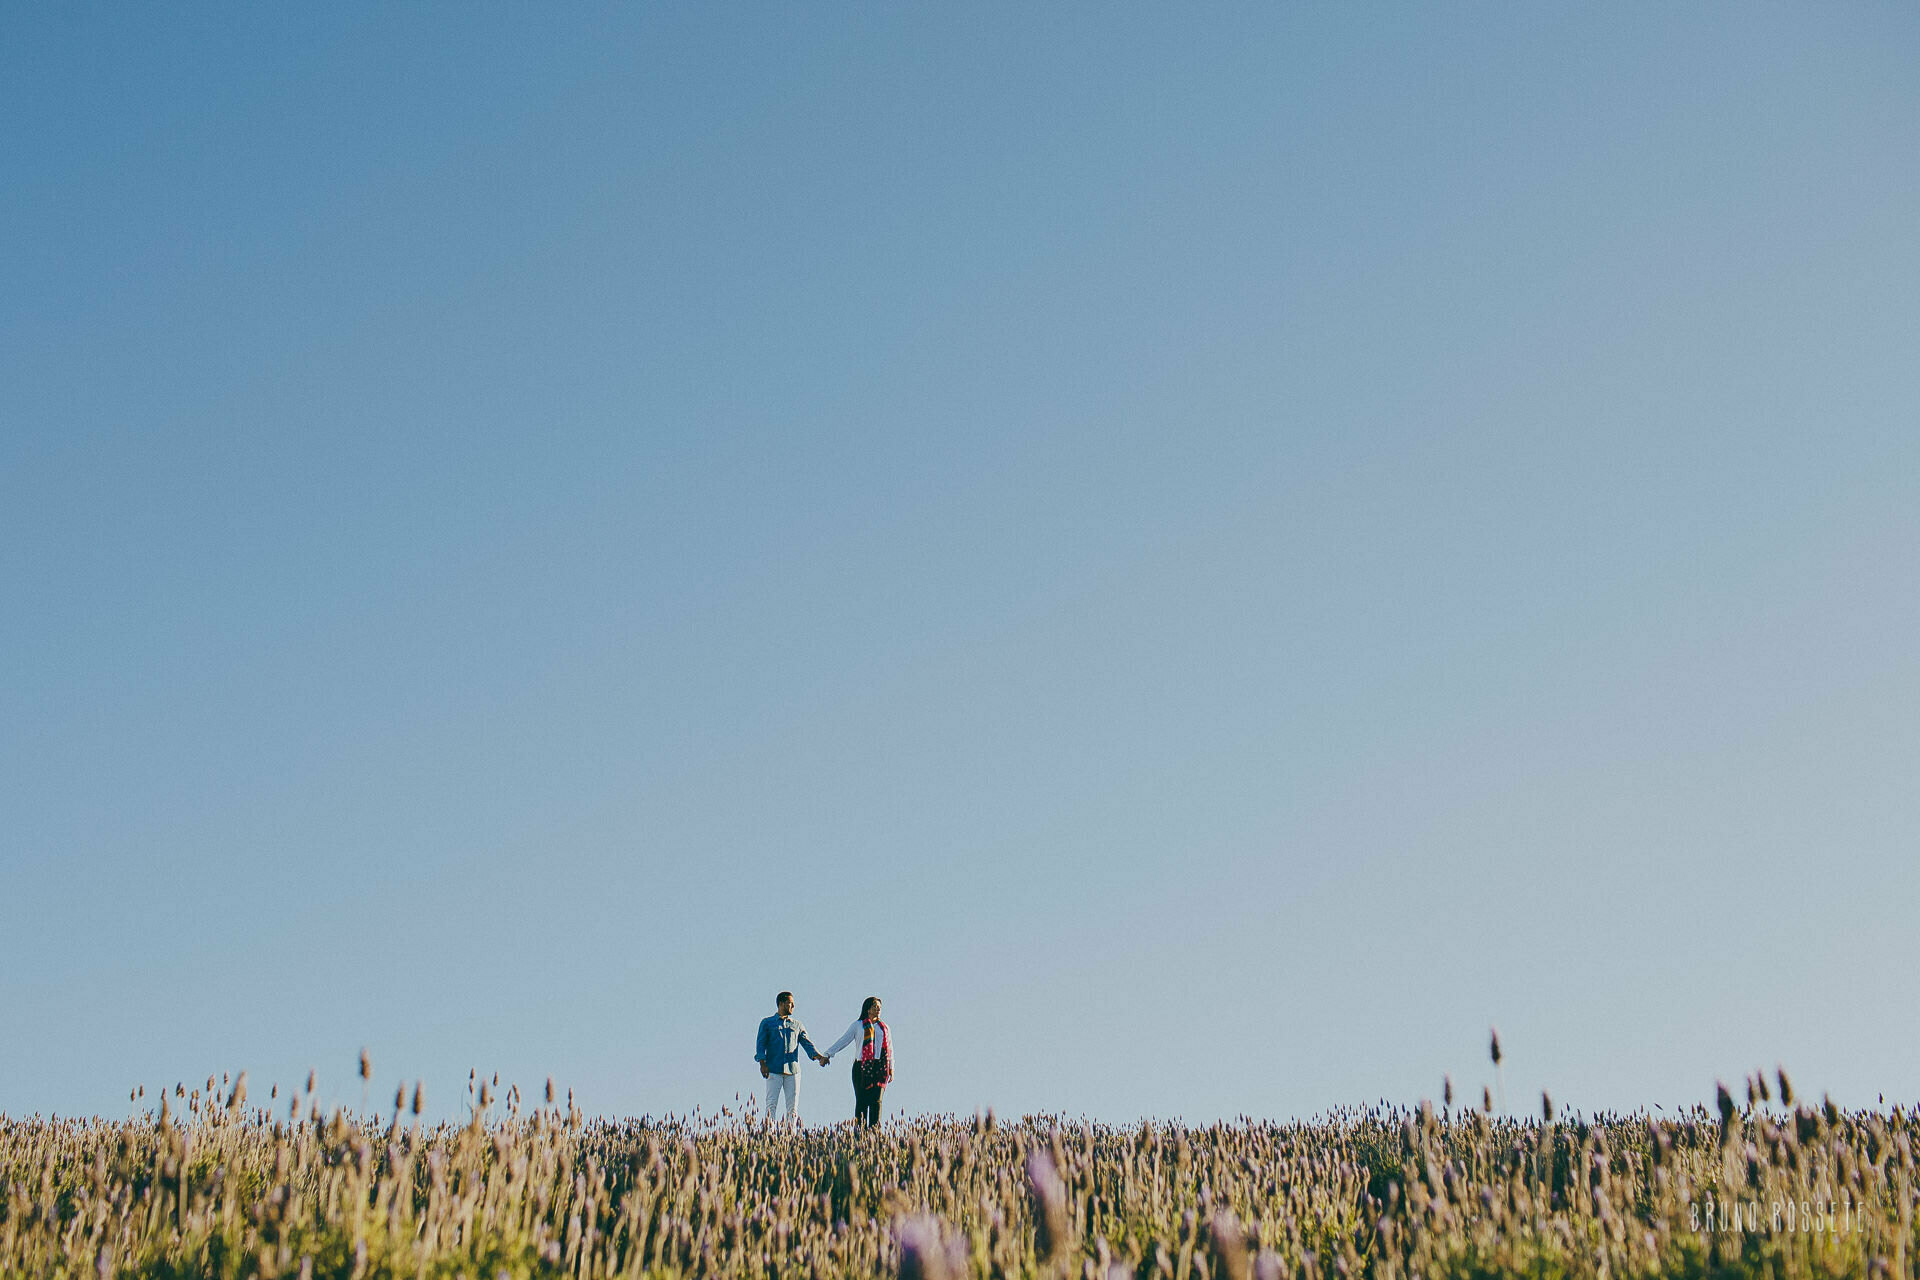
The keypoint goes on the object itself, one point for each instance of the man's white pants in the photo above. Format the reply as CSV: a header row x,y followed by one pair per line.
x,y
788,1086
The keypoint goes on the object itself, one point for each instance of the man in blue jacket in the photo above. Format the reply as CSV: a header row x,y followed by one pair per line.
x,y
777,1050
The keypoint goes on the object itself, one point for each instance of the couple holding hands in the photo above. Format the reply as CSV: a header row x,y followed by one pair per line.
x,y
782,1038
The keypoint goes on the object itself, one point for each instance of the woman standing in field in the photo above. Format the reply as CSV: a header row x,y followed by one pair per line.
x,y
874,1069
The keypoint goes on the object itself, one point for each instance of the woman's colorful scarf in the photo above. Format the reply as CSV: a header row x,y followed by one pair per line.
x,y
867,1048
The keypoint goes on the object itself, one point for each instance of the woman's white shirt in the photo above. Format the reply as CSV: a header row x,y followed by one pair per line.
x,y
854,1033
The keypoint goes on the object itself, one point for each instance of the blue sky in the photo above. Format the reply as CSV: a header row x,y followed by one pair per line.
x,y
1205,556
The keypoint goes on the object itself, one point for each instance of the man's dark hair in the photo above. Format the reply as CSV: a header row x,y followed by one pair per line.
x,y
784,995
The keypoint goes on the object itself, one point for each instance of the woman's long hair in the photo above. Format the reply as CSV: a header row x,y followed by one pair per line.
x,y
869,1008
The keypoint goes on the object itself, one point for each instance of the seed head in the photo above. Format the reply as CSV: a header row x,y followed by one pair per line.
x,y
923,1254
1496,1046
366,1065
1727,1109
1049,1200
1229,1246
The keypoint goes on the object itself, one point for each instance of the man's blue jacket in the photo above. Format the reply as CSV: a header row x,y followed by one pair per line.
x,y
779,1044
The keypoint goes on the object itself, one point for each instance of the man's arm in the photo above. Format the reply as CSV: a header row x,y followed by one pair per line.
x,y
760,1049
807,1044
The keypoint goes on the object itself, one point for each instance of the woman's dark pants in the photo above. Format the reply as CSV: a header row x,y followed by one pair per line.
x,y
866,1102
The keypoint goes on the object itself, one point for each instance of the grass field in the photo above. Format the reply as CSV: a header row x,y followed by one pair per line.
x,y
210,1186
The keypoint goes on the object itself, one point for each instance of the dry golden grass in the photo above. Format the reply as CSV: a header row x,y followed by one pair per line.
x,y
232,1191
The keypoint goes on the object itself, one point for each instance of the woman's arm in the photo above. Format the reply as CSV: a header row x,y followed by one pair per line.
x,y
844,1040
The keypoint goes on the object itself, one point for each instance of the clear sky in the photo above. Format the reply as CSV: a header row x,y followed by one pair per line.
x,y
1207,555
